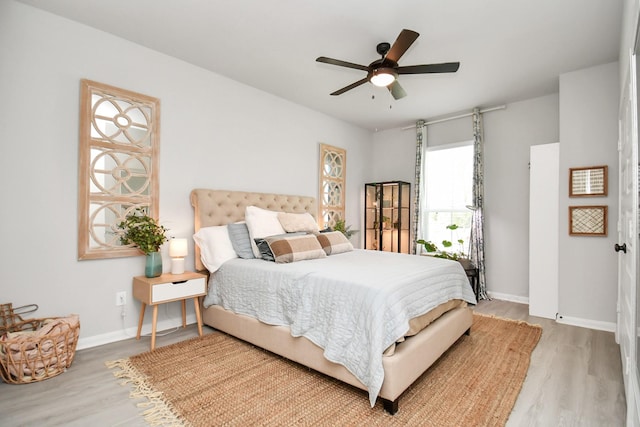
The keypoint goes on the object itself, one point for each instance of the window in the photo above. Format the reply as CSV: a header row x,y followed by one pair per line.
x,y
448,193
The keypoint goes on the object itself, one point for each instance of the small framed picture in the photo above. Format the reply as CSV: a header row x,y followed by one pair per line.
x,y
587,220
588,181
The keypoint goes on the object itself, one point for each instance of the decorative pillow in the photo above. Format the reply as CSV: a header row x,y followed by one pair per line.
x,y
265,250
215,246
287,248
334,242
240,240
292,222
261,223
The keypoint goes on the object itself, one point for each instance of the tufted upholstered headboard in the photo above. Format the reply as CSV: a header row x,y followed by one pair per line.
x,y
221,207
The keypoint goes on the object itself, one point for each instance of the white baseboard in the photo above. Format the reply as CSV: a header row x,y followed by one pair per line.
x,y
566,320
508,297
586,323
124,334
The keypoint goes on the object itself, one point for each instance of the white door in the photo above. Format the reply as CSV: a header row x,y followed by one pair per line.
x,y
544,190
627,246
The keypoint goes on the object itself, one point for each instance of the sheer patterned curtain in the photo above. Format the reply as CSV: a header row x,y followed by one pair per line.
x,y
421,143
476,245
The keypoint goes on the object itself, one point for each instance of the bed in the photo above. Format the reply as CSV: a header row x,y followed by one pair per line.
x,y
403,361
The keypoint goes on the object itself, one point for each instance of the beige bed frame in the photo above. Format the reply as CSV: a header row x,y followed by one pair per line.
x,y
411,359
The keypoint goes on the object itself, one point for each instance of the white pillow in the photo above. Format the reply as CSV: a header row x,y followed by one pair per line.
x,y
293,222
261,223
215,246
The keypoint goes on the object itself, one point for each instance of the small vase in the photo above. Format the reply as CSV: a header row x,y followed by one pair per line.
x,y
153,266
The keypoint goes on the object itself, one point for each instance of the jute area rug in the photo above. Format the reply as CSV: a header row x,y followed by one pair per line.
x,y
218,380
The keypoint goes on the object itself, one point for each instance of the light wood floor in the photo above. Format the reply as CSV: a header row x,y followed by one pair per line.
x,y
574,379
575,375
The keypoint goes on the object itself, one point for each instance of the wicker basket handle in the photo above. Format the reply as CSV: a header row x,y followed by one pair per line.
x,y
30,308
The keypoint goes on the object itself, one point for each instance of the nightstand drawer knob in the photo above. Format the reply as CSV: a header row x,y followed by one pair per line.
x,y
177,283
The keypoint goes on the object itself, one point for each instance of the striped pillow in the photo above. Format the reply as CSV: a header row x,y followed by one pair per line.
x,y
284,249
334,242
240,240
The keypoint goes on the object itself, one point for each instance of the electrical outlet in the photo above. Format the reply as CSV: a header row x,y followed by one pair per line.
x,y
121,298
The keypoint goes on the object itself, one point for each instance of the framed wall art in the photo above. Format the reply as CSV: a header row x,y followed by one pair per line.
x,y
588,181
587,220
333,173
118,166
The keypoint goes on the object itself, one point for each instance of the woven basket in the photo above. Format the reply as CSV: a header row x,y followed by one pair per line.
x,y
38,349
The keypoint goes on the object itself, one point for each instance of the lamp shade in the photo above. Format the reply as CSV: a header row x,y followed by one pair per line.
x,y
178,248
382,77
177,251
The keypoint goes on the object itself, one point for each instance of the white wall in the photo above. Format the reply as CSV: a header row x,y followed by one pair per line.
x,y
583,117
394,156
215,133
508,135
218,133
589,137
630,11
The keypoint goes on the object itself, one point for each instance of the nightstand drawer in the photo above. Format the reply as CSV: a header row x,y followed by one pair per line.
x,y
173,291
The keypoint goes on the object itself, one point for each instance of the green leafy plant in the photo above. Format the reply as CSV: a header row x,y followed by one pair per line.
x,y
341,226
142,231
432,249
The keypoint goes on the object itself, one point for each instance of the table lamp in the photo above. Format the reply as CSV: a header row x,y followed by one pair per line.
x,y
177,252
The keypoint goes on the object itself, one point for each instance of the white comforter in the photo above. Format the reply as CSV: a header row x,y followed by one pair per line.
x,y
353,305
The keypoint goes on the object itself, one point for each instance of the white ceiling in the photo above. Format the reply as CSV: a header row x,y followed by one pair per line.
x,y
509,50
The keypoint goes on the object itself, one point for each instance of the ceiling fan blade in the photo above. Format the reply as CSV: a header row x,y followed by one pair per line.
x,y
400,46
447,67
396,90
351,86
340,63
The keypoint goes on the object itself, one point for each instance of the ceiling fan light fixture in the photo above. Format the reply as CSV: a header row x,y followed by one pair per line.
x,y
384,72
383,77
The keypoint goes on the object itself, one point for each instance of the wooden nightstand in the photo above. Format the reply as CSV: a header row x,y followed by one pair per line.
x,y
166,288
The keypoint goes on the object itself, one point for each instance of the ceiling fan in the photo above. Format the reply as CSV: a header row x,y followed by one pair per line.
x,y
384,71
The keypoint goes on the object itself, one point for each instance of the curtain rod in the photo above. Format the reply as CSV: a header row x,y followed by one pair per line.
x,y
486,110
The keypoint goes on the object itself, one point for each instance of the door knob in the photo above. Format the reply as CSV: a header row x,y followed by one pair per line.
x,y
622,248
